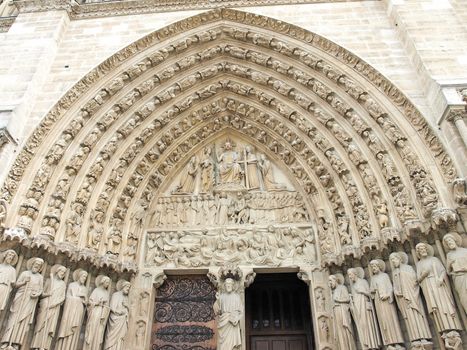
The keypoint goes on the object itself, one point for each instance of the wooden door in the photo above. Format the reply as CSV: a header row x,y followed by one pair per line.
x,y
183,317
279,342
278,313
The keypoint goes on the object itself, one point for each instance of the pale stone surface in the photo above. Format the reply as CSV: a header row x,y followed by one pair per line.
x,y
232,139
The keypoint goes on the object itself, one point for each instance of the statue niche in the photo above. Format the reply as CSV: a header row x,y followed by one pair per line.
x,y
229,204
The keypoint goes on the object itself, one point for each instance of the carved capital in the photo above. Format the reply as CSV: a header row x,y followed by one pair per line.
x,y
416,227
249,279
159,279
444,218
391,234
456,114
305,275
5,136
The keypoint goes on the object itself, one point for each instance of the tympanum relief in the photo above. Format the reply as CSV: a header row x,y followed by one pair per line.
x,y
230,204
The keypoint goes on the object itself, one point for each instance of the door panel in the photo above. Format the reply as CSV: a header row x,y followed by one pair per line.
x,y
278,314
279,342
183,315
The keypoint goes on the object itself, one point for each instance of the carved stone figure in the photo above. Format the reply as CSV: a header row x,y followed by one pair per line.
x,y
8,260
251,169
363,310
456,263
230,171
382,290
343,330
229,310
452,340
49,308
98,313
30,285
268,177
73,312
118,320
431,275
407,293
207,171
188,179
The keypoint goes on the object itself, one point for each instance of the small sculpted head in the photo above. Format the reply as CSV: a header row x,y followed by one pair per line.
x,y
229,285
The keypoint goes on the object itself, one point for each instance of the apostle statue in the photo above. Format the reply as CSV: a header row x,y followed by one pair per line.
x,y
8,260
230,171
98,313
49,308
30,285
431,275
251,169
188,179
363,311
229,310
118,320
456,261
265,167
73,312
341,311
407,293
382,290
207,171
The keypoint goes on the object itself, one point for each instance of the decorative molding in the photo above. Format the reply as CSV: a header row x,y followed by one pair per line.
x,y
99,8
5,138
6,23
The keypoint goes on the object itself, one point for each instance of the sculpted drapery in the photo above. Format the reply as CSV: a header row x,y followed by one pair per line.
x,y
229,310
98,313
382,290
30,286
456,263
407,293
7,276
49,309
118,320
230,172
73,312
343,332
431,275
363,310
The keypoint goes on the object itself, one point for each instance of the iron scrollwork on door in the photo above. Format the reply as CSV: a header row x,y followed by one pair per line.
x,y
183,316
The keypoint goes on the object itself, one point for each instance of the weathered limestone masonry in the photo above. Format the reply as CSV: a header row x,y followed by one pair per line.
x,y
233,174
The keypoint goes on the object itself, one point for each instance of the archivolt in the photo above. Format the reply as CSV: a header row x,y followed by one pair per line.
x,y
346,134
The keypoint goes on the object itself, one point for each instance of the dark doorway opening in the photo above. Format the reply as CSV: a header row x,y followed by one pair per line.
x,y
278,313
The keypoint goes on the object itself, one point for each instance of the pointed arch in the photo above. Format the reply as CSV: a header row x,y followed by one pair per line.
x,y
115,136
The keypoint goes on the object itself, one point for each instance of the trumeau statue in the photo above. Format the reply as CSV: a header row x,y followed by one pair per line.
x,y
382,290
98,313
363,310
456,261
407,293
73,312
30,285
118,320
49,308
229,310
431,275
343,330
9,258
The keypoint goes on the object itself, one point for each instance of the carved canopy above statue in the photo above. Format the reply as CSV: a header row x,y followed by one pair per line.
x,y
128,141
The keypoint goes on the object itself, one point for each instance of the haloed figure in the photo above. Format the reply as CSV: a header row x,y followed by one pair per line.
x,y
229,310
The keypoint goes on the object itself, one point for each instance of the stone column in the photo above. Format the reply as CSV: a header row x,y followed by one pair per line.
x,y
142,308
457,118
320,306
